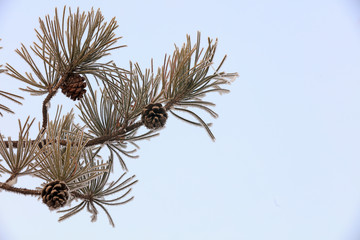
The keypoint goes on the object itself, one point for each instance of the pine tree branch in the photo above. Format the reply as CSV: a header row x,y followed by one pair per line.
x,y
13,176
103,139
52,93
81,196
73,43
23,191
92,142
36,193
173,102
98,140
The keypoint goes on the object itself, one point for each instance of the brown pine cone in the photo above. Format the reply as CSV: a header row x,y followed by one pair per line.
x,y
74,87
55,194
154,116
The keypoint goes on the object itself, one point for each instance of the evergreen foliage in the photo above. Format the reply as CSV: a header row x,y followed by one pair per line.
x,y
113,104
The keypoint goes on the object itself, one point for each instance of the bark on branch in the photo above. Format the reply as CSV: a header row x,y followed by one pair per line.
x,y
24,191
52,93
95,141
98,140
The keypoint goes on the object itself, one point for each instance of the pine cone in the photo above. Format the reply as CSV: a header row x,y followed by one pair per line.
x,y
55,194
154,116
74,86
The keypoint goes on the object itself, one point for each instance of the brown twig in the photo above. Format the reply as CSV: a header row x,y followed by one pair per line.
x,y
14,175
95,141
24,191
52,92
98,140
102,139
170,104
82,196
41,144
35,193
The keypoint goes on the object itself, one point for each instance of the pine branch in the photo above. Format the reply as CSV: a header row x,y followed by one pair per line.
x,y
37,193
186,80
18,162
97,191
11,178
92,142
66,155
10,96
46,101
64,51
23,191
116,136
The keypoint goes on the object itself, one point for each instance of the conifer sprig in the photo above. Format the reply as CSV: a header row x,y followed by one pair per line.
x,y
65,163
21,161
10,96
186,80
71,47
131,91
72,44
105,121
98,190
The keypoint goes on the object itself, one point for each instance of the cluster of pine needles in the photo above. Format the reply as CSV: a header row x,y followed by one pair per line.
x,y
113,104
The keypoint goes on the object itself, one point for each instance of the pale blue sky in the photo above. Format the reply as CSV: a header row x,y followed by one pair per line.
x,y
286,161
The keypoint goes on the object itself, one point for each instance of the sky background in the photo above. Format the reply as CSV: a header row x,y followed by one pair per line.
x,y
286,161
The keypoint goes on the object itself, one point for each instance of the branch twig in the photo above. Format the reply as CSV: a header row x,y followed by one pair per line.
x,y
95,141
98,140
24,191
14,175
52,92
35,193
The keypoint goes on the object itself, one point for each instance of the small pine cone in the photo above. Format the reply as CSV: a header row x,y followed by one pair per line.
x,y
154,116
74,87
55,194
